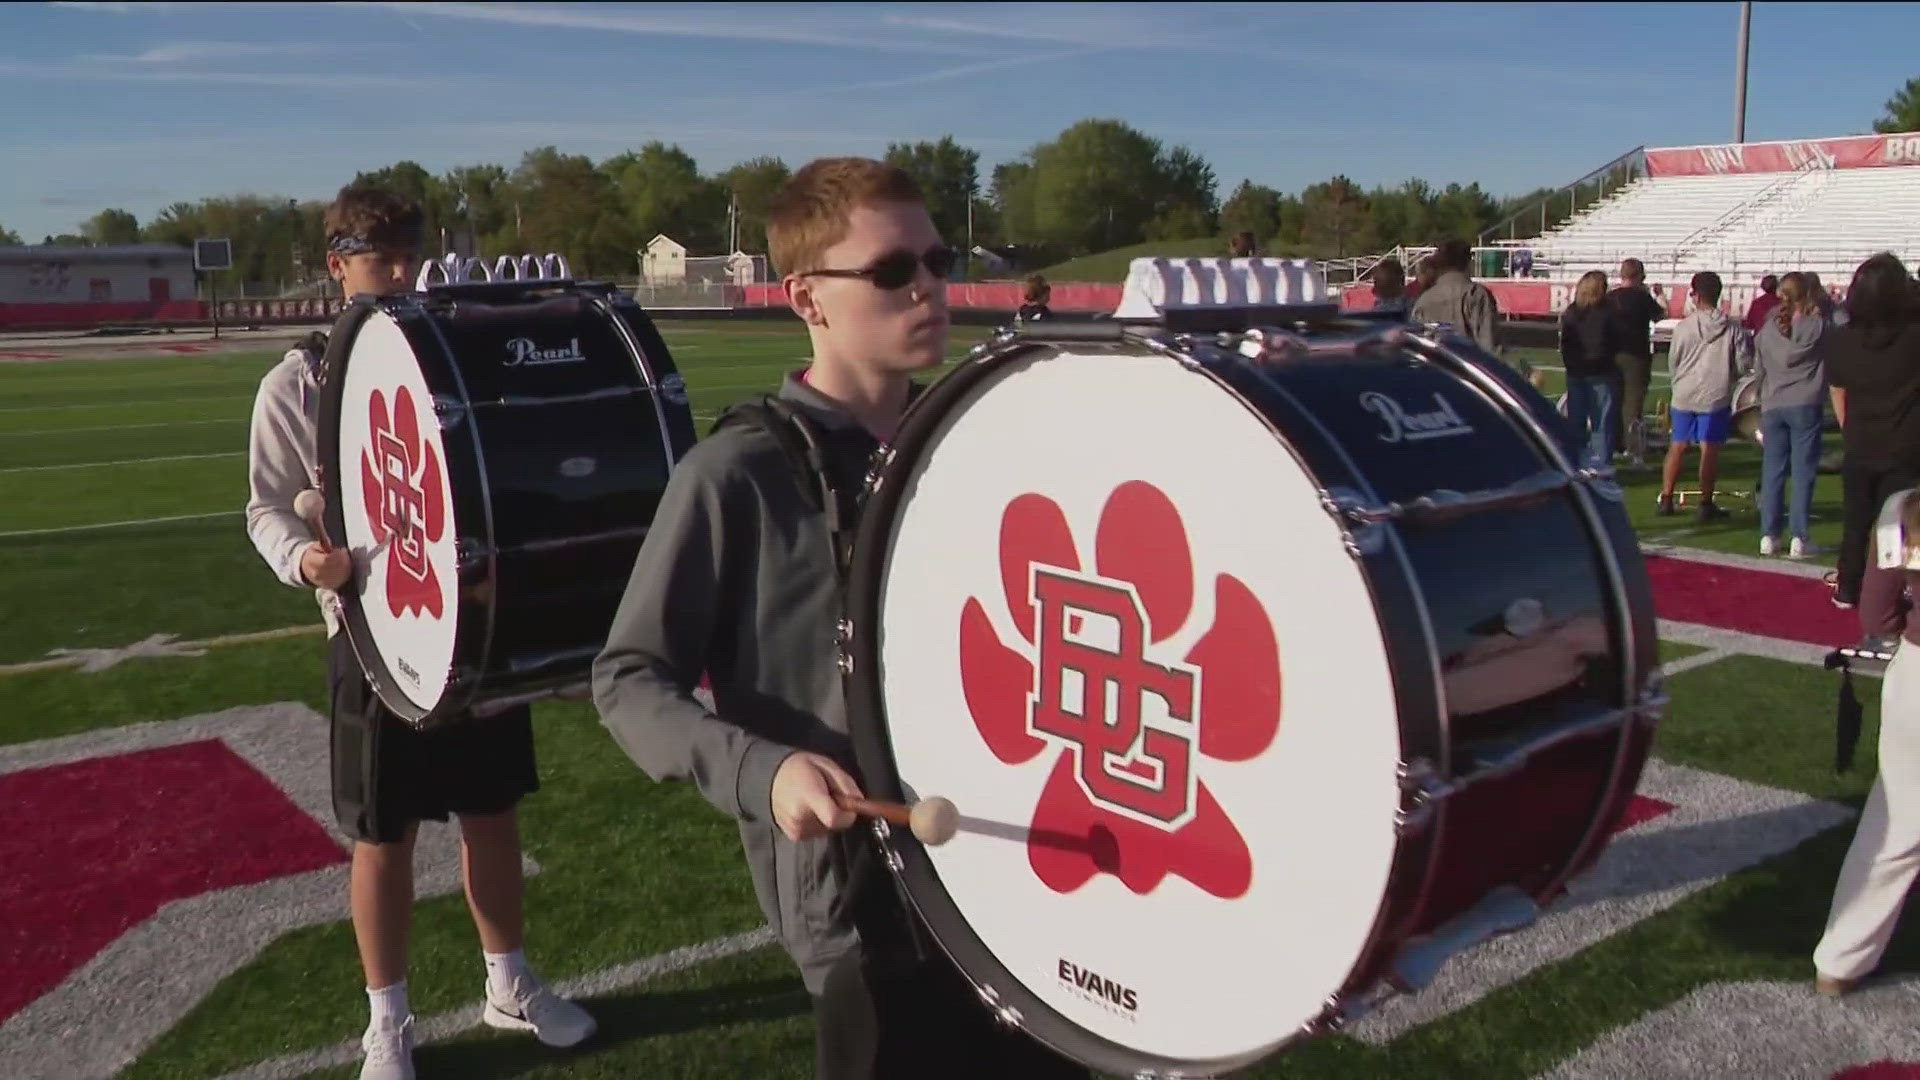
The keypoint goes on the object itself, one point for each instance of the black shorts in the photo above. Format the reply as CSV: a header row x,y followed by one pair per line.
x,y
388,775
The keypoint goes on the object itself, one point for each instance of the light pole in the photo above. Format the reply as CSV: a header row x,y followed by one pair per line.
x,y
1740,75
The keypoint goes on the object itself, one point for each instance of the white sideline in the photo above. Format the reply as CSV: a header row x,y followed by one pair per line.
x,y
446,1025
124,461
59,529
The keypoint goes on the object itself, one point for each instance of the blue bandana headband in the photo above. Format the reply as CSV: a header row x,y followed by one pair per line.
x,y
350,245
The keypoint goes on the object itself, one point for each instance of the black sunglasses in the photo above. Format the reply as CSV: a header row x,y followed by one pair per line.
x,y
895,270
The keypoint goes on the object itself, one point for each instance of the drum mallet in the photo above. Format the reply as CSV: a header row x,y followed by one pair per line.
x,y
932,821
310,505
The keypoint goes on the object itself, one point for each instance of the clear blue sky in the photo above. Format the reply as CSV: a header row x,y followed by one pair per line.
x,y
140,105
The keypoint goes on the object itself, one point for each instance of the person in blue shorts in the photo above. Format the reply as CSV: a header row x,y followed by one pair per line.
x,y
1708,350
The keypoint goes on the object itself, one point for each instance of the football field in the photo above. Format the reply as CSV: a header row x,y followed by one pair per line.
x,y
172,887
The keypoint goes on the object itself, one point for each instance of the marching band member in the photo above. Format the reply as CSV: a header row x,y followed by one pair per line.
x,y
387,776
1885,853
739,578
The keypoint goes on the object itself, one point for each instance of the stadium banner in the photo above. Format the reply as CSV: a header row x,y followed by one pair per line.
x,y
1854,152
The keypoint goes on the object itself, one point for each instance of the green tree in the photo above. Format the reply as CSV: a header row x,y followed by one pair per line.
x,y
1186,205
752,185
1253,208
948,175
1903,110
481,202
662,191
561,203
8,236
112,227
1094,186
1013,202
1339,220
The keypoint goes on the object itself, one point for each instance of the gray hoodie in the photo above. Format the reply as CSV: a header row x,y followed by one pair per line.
x,y
1793,370
1708,349
736,578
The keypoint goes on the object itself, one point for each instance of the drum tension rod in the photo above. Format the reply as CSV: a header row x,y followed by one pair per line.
x,y
1446,505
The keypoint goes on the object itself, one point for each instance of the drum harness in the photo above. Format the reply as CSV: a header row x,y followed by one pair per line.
x,y
822,462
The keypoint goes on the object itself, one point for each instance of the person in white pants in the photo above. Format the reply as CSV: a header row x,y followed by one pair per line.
x,y
1885,855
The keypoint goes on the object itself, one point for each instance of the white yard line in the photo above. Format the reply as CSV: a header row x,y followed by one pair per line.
x,y
124,461
1790,567
158,645
124,404
119,427
1697,660
117,524
446,1025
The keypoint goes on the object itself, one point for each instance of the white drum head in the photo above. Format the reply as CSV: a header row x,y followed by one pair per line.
x,y
1192,880
399,512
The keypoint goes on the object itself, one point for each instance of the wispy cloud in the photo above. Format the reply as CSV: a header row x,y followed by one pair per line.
x,y
114,8
854,30
179,52
93,71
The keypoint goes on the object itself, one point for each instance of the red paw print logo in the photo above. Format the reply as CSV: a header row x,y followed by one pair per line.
x,y
406,503
1125,796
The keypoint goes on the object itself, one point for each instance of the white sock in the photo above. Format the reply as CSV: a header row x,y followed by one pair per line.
x,y
389,1004
503,969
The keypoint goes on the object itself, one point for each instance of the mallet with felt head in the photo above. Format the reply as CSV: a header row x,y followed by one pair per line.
x,y
932,821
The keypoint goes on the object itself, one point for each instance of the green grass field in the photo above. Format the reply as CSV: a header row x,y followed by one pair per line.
x,y
632,869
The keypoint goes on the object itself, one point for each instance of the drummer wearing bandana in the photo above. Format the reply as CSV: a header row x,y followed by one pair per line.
x,y
739,579
387,776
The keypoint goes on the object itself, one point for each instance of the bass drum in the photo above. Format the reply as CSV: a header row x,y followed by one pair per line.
x,y
493,455
1254,703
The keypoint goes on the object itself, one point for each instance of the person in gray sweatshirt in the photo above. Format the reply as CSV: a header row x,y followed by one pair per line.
x,y
1793,390
739,579
1708,349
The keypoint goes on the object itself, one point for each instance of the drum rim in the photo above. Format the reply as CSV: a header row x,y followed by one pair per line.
x,y
1414,853
404,308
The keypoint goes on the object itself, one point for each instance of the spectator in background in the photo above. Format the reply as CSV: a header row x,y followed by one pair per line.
x,y
1390,286
1763,304
1708,347
1793,388
1875,371
1457,300
1424,274
1829,310
1037,293
1587,349
1241,246
1522,262
1635,310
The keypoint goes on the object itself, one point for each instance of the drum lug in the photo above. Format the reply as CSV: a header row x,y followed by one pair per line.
x,y
1333,1018
1007,1015
469,555
1267,345
451,411
844,641
1601,482
1423,788
1361,538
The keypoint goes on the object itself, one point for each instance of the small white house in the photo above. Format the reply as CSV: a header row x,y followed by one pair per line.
x,y
664,262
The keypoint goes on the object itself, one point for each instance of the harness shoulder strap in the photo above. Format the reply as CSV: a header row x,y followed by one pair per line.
x,y
807,450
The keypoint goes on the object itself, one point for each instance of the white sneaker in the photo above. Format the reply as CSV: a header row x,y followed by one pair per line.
x,y
1767,545
389,1052
532,1007
1802,549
